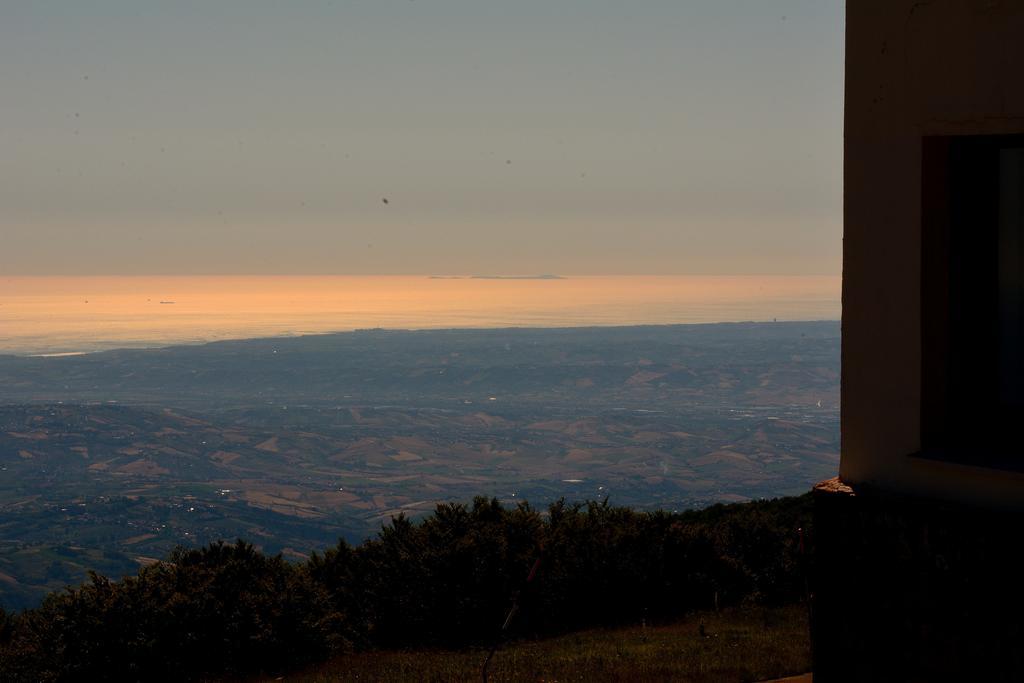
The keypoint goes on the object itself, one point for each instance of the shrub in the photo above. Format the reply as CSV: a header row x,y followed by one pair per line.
x,y
447,580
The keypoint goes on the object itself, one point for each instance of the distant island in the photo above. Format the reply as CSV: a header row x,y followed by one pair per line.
x,y
517,277
498,277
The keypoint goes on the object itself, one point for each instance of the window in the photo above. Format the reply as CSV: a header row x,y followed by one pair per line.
x,y
973,300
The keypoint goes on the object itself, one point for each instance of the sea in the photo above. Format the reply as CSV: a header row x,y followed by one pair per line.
x,y
72,315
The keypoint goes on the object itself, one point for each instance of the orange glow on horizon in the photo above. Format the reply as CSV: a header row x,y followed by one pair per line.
x,y
57,314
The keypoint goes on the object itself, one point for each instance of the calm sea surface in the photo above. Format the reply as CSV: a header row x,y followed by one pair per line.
x,y
51,315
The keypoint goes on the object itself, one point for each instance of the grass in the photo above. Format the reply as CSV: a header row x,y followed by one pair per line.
x,y
735,645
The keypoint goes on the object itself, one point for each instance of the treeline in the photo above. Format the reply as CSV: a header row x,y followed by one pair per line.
x,y
448,580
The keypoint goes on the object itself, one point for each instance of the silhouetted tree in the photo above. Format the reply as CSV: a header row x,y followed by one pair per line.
x,y
446,580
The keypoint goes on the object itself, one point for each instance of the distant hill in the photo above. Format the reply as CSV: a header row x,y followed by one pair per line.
x,y
113,459
730,363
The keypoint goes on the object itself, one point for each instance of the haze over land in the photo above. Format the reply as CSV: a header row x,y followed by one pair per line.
x,y
111,459
75,314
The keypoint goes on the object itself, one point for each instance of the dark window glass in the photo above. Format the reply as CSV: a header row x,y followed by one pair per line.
x,y
972,291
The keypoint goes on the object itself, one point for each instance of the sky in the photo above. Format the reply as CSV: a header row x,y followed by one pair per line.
x,y
512,137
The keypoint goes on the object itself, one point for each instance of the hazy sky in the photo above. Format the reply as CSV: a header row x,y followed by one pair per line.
x,y
521,136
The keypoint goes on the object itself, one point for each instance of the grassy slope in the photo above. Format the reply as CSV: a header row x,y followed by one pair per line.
x,y
737,645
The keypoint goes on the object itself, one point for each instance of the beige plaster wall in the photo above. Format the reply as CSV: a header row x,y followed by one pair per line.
x,y
913,68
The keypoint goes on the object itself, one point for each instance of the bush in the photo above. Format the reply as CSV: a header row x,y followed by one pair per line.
x,y
221,609
448,580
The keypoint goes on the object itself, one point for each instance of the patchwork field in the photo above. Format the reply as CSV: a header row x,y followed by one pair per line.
x,y
111,459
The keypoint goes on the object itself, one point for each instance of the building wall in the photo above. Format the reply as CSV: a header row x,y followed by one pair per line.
x,y
914,68
912,590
